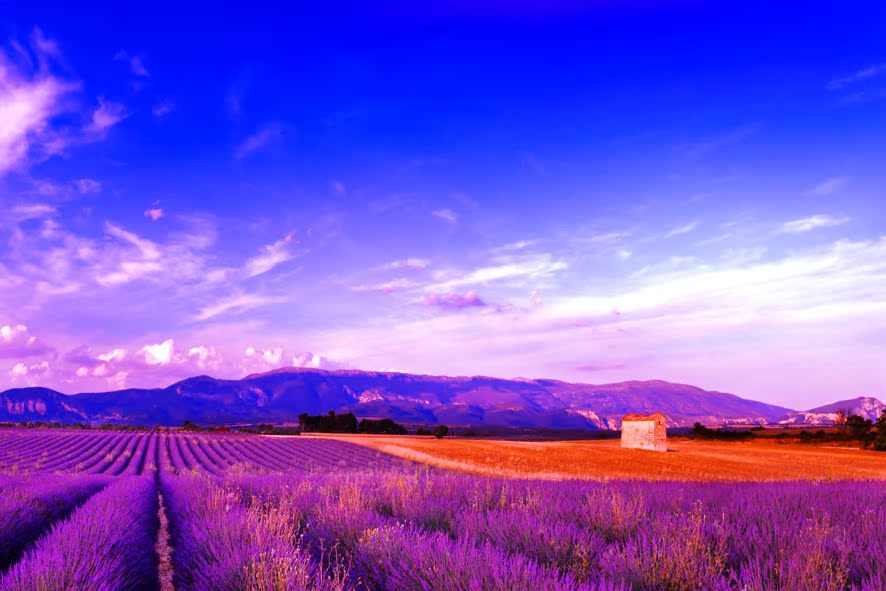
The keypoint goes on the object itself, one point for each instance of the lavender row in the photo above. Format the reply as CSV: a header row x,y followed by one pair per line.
x,y
28,507
220,544
105,545
118,453
787,536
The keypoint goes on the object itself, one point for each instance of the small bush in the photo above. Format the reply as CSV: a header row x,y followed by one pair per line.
x,y
703,432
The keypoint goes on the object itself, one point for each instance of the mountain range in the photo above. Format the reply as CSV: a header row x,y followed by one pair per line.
x,y
866,407
281,395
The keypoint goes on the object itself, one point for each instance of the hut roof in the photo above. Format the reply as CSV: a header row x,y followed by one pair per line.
x,y
638,417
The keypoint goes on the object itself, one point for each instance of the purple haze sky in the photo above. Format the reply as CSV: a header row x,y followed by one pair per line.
x,y
586,191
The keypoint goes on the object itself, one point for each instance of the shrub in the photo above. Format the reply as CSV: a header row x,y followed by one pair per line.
x,y
703,432
859,426
880,439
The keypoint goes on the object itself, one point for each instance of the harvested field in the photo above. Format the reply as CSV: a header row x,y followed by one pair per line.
x,y
686,459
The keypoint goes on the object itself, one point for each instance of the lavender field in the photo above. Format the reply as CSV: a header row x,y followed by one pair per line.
x,y
165,510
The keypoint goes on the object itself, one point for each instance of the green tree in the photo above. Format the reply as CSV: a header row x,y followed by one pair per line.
x,y
441,431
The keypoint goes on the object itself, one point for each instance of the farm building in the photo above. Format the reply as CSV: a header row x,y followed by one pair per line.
x,y
644,432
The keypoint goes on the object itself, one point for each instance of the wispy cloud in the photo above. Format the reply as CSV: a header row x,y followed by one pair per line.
x,y
268,134
106,115
531,161
856,77
29,211
515,270
705,146
828,186
407,263
143,259
272,255
454,301
163,108
154,214
446,214
86,186
135,62
338,188
684,229
237,303
812,222
388,287
30,101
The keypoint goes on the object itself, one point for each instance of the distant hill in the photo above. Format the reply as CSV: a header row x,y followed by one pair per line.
x,y
865,406
285,393
40,404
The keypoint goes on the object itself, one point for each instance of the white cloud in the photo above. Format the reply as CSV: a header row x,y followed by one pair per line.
x,y
154,214
812,222
159,354
20,370
206,357
273,356
307,360
82,372
114,355
258,140
827,187
9,332
16,342
446,214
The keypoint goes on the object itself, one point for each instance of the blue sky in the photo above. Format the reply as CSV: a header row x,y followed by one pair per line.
x,y
593,192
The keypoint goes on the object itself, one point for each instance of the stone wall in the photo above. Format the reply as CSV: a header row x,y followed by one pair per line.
x,y
644,435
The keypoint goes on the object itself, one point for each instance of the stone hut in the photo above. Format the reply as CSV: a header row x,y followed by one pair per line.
x,y
645,432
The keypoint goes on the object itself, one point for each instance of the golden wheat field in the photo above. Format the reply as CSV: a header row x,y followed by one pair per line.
x,y
686,459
